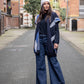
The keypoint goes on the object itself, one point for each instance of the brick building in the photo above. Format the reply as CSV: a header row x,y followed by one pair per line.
x,y
75,15
63,3
63,6
25,18
9,14
56,6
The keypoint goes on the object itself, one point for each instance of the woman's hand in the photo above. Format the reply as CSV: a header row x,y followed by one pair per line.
x,y
55,45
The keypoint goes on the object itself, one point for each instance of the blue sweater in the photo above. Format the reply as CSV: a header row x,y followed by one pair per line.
x,y
52,35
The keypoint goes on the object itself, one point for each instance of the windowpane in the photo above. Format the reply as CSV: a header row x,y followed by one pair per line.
x,y
81,2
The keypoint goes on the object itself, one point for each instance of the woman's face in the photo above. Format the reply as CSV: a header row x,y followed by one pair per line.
x,y
46,5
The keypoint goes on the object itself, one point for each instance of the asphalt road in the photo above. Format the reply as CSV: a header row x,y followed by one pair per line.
x,y
17,62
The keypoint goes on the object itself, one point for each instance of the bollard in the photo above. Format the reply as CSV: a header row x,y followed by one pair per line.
x,y
0,22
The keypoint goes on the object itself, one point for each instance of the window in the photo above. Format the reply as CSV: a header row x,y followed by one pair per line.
x,y
81,8
8,7
81,2
4,5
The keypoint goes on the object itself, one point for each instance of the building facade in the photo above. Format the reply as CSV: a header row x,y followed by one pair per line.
x,y
9,16
63,3
75,15
57,5
63,7
25,18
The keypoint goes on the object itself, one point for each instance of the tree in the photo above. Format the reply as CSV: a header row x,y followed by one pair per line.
x,y
32,7
63,13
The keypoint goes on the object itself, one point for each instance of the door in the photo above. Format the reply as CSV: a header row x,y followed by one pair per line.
x,y
74,25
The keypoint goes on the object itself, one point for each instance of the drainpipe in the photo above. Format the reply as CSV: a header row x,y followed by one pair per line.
x,y
19,12
67,16
0,22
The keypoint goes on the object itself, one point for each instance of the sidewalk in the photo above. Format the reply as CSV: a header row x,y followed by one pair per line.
x,y
75,38
10,36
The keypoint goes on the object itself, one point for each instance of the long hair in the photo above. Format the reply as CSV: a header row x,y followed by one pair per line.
x,y
42,11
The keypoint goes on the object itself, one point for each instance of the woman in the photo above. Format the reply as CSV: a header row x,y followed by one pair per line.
x,y
46,43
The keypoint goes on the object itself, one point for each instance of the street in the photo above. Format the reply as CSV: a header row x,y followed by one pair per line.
x,y
17,62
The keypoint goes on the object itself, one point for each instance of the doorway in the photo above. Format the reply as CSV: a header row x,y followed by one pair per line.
x,y
74,25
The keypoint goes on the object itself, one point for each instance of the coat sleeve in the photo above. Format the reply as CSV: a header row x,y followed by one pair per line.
x,y
36,26
57,34
36,35
36,19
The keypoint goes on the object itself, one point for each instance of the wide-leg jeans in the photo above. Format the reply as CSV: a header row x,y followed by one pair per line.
x,y
56,76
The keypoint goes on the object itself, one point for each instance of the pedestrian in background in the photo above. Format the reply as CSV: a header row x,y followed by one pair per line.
x,y
46,42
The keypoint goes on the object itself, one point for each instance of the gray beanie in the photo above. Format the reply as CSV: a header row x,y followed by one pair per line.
x,y
42,1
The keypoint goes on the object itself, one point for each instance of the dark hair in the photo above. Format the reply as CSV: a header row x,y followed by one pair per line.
x,y
42,11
